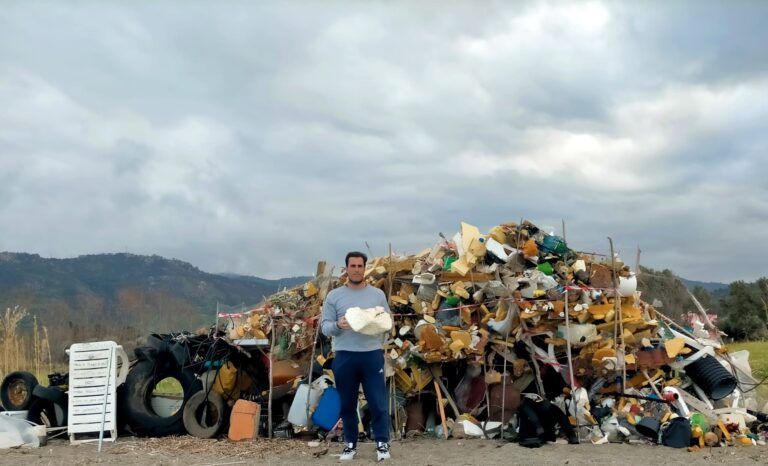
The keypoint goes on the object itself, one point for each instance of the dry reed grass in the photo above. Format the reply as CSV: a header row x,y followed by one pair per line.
x,y
23,352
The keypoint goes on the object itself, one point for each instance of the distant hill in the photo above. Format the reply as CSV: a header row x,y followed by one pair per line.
x,y
125,296
712,287
122,296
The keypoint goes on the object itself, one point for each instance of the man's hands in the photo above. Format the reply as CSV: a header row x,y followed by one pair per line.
x,y
342,323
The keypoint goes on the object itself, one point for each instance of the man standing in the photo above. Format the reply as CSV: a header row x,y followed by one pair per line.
x,y
359,357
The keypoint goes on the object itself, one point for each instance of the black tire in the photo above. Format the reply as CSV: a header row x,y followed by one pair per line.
x,y
53,394
16,390
204,414
44,412
136,405
59,401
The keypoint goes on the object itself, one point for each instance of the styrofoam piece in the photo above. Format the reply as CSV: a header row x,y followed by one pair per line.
x,y
471,429
581,334
497,249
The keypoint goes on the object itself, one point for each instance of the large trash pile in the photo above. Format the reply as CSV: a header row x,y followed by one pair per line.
x,y
488,320
509,333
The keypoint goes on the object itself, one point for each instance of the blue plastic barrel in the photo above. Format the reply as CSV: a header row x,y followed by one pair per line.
x,y
328,409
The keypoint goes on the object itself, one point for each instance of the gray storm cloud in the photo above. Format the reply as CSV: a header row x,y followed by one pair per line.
x,y
259,139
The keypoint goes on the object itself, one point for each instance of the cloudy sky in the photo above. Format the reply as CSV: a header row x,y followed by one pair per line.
x,y
259,139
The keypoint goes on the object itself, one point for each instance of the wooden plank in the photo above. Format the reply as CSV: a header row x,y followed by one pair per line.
x,y
89,419
90,364
455,277
84,391
78,411
89,400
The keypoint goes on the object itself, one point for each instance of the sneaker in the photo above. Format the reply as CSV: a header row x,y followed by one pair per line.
x,y
349,452
382,451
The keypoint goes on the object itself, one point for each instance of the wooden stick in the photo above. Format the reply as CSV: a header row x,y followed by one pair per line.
x,y
447,395
568,349
487,392
389,277
442,409
539,382
653,386
503,387
322,291
618,326
271,370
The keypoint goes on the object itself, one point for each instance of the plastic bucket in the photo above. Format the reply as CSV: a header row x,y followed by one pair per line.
x,y
677,433
712,377
649,427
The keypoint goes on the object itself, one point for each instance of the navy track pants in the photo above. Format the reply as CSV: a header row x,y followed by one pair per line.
x,y
350,369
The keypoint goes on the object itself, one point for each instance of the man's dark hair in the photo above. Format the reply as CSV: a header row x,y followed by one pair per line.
x,y
355,254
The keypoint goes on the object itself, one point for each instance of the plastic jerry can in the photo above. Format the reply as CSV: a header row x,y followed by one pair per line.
x,y
328,409
297,415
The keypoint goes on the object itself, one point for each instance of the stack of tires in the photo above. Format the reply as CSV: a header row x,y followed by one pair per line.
x,y
154,364
20,391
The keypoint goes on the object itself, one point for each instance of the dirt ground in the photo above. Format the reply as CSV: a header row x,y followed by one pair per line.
x,y
191,451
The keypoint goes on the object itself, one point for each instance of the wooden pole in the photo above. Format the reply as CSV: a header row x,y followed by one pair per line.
x,y
442,409
503,387
320,272
653,386
445,389
618,327
389,277
570,357
271,371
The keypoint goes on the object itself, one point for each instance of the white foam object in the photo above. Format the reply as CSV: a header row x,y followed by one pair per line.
x,y
578,331
627,286
471,429
370,321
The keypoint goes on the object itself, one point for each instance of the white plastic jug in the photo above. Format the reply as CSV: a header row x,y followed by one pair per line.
x,y
297,415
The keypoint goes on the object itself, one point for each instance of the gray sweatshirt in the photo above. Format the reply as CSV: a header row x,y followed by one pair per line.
x,y
335,306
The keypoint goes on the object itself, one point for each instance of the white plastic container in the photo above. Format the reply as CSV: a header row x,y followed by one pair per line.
x,y
15,414
297,415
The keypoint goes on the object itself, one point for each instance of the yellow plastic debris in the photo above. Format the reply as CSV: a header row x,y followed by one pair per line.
x,y
674,346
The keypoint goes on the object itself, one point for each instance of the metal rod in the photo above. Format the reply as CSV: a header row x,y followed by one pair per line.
x,y
106,397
